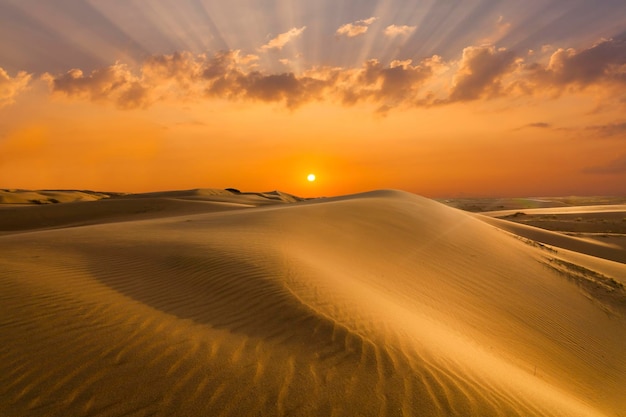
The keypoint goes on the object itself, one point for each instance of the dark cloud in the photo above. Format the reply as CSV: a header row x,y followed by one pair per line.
x,y
540,125
536,125
614,167
183,66
605,62
611,129
231,75
480,72
278,87
393,84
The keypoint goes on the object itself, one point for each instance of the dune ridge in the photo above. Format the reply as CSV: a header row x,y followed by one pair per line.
x,y
379,304
19,213
603,249
8,196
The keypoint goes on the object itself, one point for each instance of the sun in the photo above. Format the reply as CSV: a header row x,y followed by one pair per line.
x,y
311,177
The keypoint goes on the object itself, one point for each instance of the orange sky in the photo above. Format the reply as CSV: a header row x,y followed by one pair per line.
x,y
488,120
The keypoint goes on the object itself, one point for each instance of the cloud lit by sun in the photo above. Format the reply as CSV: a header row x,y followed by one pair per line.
x,y
281,40
402,30
357,28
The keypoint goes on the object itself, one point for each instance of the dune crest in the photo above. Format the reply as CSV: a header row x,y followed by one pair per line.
x,y
377,304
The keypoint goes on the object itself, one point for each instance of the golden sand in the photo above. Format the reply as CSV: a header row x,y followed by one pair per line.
x,y
212,303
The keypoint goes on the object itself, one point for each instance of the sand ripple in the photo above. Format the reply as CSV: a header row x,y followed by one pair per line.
x,y
383,304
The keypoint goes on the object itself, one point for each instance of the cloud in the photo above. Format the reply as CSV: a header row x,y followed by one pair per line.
x,y
283,39
603,63
115,82
611,129
355,28
181,76
368,21
614,167
536,125
233,76
480,71
539,125
393,30
11,87
397,83
273,87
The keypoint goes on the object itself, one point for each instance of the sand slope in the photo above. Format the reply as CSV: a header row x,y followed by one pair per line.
x,y
21,214
596,230
379,304
48,196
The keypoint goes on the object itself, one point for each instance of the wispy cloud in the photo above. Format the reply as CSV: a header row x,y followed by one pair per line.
x,y
614,167
355,28
10,87
283,39
611,129
536,125
539,125
394,30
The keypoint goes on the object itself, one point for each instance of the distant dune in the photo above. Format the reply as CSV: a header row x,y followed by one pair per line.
x,y
222,303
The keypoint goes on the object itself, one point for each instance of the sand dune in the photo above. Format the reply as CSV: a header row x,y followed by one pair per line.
x,y
378,304
523,204
48,196
597,230
606,208
123,207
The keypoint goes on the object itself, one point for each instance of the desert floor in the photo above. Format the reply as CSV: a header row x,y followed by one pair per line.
x,y
220,303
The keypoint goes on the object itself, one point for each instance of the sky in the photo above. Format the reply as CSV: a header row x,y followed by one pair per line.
x,y
443,98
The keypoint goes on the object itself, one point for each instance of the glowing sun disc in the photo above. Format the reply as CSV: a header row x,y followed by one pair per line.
x,y
311,177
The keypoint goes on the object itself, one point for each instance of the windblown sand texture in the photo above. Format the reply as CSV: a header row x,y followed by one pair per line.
x,y
212,303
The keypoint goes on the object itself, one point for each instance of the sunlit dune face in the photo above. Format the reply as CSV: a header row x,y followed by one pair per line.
x,y
311,177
